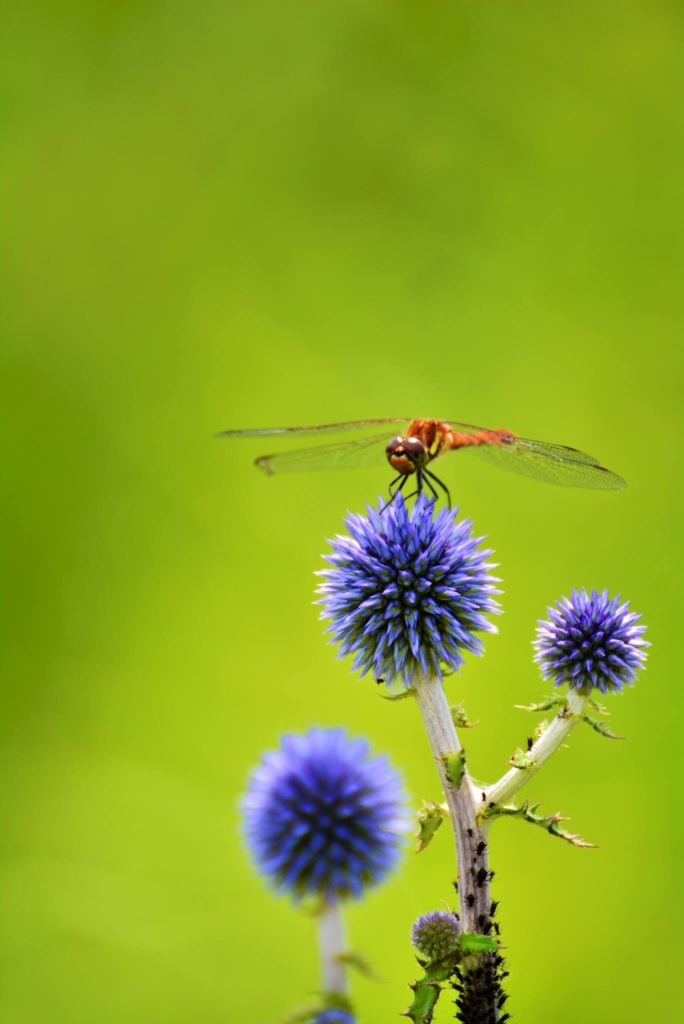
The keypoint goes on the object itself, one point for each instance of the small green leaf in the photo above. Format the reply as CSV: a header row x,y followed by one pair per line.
x,y
459,717
454,766
546,704
522,760
527,812
307,1014
301,1016
360,963
429,817
473,942
397,696
337,1001
601,727
426,992
541,728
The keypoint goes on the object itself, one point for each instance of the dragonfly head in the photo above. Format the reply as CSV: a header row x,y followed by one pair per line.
x,y
406,455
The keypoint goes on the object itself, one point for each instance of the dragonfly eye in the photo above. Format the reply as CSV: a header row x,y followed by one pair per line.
x,y
406,454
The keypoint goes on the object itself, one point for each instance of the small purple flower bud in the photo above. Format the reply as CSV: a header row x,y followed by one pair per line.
x,y
436,935
590,642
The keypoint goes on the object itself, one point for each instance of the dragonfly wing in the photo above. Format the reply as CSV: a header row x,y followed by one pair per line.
x,y
552,463
326,428
557,451
367,451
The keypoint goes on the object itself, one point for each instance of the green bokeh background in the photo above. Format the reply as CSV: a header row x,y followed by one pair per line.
x,y
242,214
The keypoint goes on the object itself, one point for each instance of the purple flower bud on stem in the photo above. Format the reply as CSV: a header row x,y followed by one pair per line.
x,y
436,935
591,642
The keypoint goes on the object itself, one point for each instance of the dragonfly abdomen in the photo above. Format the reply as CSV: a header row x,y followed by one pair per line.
x,y
454,439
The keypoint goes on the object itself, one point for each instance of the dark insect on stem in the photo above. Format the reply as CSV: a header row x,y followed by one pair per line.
x,y
484,924
481,847
479,994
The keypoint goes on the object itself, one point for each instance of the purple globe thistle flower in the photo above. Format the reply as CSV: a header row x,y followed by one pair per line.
x,y
407,592
323,816
590,642
333,1016
436,935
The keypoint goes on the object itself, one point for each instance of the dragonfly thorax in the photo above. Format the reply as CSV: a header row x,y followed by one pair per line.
x,y
407,455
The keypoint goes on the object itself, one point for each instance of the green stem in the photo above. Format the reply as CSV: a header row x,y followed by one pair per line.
x,y
540,751
479,988
332,948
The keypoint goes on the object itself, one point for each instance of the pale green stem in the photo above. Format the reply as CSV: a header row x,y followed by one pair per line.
x,y
463,803
540,751
332,947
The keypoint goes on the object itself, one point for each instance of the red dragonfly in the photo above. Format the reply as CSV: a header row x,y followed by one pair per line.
x,y
416,443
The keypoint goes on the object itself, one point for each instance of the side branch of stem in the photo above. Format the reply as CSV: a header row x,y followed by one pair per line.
x,y
540,751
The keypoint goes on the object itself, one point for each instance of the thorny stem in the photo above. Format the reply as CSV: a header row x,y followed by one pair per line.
x,y
332,948
540,751
481,996
470,837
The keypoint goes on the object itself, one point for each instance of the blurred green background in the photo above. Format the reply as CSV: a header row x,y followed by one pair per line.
x,y
251,214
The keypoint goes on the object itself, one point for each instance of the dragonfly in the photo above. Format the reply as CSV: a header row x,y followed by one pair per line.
x,y
412,445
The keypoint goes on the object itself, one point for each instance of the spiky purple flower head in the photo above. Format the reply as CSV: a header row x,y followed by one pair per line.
x,y
408,590
436,935
590,641
323,816
333,1016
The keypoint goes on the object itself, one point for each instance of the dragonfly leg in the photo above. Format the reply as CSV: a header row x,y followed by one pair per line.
x,y
441,484
429,485
393,493
419,482
393,482
413,493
